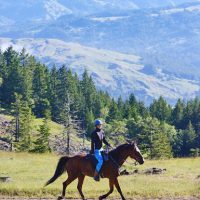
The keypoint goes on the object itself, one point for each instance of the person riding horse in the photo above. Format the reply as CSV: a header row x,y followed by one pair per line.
x,y
78,166
97,139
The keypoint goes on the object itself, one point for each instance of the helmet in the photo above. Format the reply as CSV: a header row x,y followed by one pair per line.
x,y
97,122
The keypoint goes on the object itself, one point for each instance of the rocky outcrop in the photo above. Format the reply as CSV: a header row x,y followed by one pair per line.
x,y
5,146
149,171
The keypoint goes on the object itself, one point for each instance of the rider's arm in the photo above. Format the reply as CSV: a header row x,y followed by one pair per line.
x,y
92,144
105,141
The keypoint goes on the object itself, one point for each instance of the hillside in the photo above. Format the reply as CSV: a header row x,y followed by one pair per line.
x,y
118,73
164,35
57,140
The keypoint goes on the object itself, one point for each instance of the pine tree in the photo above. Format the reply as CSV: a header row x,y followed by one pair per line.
x,y
161,147
25,125
89,120
185,141
153,139
11,76
188,139
160,109
40,90
113,113
53,93
132,107
88,90
42,143
133,128
187,115
142,110
120,105
177,114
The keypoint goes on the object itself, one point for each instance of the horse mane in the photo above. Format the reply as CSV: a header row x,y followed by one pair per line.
x,y
116,152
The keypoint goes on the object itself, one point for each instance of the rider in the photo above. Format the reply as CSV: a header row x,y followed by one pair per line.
x,y
97,138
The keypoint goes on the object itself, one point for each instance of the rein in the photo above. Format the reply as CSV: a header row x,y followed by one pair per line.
x,y
131,163
116,164
125,161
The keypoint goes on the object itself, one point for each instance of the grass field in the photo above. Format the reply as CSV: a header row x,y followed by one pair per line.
x,y
55,130
29,172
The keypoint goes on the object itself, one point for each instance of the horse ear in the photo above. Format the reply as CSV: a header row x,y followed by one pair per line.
x,y
134,142
128,141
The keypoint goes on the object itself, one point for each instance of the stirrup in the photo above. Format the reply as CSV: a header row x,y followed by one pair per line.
x,y
97,178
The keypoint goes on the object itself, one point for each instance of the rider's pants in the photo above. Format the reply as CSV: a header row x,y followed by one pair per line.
x,y
97,153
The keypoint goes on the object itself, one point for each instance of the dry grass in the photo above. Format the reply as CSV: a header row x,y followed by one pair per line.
x,y
29,172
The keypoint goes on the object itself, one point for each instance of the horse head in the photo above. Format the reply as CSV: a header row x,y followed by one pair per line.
x,y
135,153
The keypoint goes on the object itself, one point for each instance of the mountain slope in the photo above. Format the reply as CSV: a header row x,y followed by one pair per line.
x,y
164,34
167,37
118,73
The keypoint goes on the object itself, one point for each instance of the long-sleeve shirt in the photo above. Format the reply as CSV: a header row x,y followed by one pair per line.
x,y
97,139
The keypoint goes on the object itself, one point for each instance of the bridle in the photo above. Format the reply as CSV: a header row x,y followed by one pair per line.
x,y
124,161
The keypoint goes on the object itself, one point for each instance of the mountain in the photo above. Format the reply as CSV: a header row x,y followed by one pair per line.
x,y
165,36
31,10
162,37
120,74
41,10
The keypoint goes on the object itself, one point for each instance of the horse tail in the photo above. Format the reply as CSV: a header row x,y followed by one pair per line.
x,y
60,169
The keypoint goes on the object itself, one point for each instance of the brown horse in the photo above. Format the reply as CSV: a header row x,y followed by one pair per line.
x,y
79,166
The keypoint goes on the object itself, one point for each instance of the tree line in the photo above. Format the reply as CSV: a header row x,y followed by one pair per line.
x,y
30,89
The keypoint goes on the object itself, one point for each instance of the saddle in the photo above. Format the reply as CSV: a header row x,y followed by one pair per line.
x,y
94,161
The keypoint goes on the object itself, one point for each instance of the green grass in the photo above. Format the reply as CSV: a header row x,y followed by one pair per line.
x,y
6,117
55,129
29,172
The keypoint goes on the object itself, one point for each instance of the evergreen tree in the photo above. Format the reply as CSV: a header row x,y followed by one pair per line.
x,y
185,141
177,114
11,76
42,143
153,139
40,90
89,120
142,110
89,92
134,128
160,109
53,93
113,113
161,147
120,105
97,106
25,125
132,107
187,114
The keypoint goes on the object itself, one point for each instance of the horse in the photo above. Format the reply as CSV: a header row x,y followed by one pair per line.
x,y
79,166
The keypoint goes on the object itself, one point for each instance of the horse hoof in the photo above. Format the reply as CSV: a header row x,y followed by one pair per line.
x,y
60,197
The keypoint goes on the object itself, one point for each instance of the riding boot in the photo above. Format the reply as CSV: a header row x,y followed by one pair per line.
x,y
96,176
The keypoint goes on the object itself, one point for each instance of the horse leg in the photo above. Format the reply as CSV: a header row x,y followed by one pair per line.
x,y
110,191
80,184
119,189
65,184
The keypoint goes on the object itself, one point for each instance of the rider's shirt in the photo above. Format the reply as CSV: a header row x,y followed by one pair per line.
x,y
97,139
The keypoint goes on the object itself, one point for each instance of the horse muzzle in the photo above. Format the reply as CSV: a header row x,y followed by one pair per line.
x,y
141,162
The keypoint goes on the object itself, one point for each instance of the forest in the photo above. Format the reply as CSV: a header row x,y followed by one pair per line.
x,y
30,89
